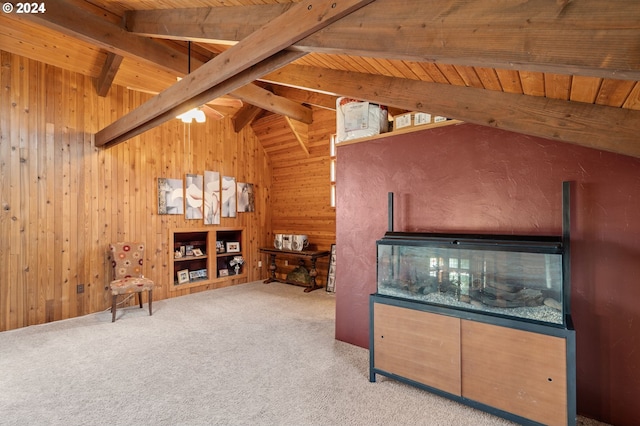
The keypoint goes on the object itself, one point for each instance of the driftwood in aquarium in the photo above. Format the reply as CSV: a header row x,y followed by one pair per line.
x,y
427,287
553,303
511,297
493,294
505,287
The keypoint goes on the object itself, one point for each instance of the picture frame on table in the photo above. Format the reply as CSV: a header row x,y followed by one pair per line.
x,y
183,276
233,247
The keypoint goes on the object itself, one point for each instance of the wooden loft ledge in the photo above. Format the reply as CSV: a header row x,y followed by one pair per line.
x,y
403,131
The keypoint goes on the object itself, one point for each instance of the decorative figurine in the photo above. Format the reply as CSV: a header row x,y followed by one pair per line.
x,y
236,263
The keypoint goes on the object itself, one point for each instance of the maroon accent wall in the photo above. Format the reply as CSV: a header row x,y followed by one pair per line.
x,y
469,178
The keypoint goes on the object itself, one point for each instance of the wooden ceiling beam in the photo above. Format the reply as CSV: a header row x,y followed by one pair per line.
x,y
220,25
265,99
108,73
84,25
261,46
594,126
300,132
589,37
79,23
181,97
319,100
245,116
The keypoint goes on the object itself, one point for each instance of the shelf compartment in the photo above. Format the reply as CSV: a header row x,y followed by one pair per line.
x,y
188,270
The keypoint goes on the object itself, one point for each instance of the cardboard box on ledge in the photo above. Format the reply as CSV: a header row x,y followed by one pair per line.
x,y
413,119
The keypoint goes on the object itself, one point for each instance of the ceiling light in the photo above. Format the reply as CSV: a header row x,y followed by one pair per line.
x,y
189,116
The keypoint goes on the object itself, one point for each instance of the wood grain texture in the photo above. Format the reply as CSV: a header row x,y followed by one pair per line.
x,y
516,371
419,346
147,65
574,122
546,35
63,200
108,73
300,196
262,46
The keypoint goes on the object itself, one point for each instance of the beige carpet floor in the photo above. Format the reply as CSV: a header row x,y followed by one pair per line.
x,y
252,354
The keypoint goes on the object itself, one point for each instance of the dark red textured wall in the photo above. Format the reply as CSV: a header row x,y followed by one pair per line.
x,y
468,178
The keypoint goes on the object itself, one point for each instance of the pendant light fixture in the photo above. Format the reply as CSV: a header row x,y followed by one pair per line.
x,y
194,113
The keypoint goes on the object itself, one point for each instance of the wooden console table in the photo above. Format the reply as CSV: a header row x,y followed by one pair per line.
x,y
312,255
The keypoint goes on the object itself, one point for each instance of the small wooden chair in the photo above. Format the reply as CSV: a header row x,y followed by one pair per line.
x,y
127,259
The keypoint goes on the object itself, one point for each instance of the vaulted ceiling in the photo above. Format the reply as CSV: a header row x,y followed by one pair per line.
x,y
567,70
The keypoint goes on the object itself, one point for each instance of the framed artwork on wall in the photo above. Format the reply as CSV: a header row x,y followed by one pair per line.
x,y
246,200
170,196
228,196
194,196
211,198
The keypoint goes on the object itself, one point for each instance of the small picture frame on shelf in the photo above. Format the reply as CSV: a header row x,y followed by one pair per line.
x,y
233,247
183,276
197,252
189,250
197,275
219,247
223,273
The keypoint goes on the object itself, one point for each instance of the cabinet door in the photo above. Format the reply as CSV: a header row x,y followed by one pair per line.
x,y
418,345
517,371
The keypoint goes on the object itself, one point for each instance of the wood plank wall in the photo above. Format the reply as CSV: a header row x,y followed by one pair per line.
x,y
63,200
301,188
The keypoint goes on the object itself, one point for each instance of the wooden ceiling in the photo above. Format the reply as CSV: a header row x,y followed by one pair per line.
x,y
561,69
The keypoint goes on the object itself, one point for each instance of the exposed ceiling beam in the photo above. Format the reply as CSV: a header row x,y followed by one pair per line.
x,y
221,25
261,46
244,116
182,97
587,37
266,100
320,100
84,25
300,132
594,126
108,73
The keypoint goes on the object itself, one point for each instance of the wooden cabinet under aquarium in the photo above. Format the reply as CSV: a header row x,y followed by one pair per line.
x,y
481,319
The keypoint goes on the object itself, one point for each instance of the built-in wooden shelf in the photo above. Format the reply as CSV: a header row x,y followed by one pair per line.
x,y
213,264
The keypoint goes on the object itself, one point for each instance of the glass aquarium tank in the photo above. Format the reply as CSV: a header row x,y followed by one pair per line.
x,y
518,277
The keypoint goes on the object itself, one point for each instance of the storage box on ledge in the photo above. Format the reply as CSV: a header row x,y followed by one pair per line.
x,y
414,119
357,119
